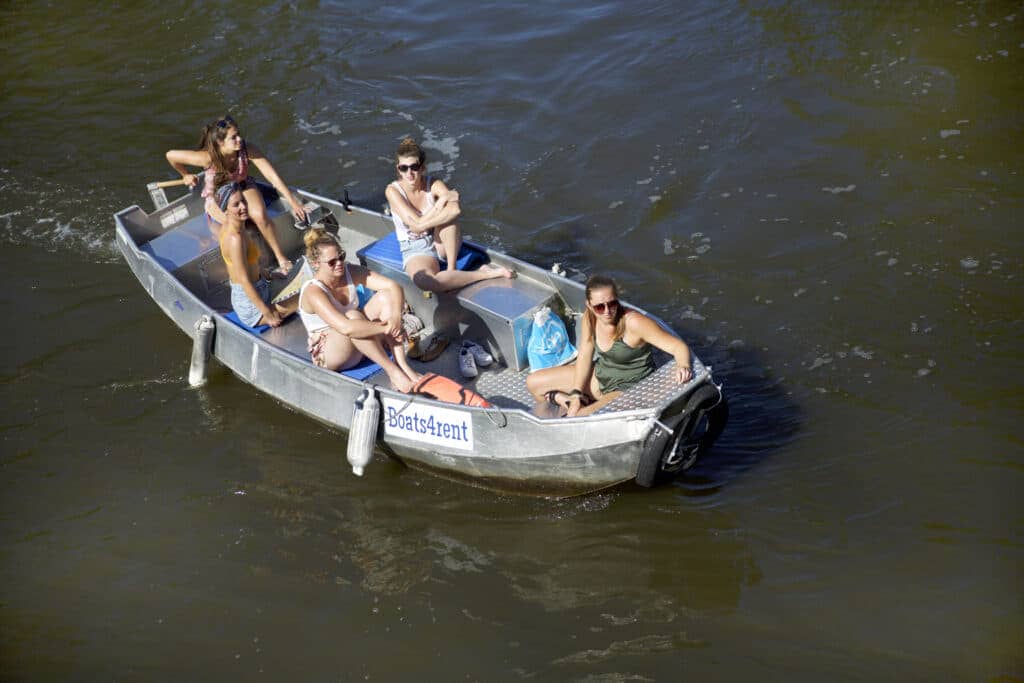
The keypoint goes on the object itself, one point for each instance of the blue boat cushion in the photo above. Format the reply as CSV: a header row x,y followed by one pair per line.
x,y
386,250
365,369
259,329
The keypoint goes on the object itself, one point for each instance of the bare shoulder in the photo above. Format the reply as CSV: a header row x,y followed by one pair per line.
x,y
635,320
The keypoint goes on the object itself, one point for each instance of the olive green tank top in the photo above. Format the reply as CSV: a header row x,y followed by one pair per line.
x,y
622,366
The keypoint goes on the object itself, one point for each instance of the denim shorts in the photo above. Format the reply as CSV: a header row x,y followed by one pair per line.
x,y
246,309
422,245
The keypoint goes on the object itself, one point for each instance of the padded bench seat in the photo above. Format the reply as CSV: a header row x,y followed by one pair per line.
x,y
496,313
386,251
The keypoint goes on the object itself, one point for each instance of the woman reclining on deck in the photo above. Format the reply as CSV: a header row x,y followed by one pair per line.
x,y
623,339
345,319
250,289
424,210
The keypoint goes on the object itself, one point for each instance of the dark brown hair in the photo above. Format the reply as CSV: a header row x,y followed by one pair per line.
x,y
409,148
214,134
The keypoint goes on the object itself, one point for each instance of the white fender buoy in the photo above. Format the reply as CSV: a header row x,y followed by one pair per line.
x,y
201,348
362,435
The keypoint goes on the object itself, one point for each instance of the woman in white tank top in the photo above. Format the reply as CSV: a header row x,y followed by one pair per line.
x,y
424,211
345,321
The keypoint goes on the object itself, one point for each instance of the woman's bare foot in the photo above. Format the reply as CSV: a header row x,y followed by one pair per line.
x,y
494,271
400,381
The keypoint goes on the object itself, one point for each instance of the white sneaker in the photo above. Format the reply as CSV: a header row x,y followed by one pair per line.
x,y
467,366
480,355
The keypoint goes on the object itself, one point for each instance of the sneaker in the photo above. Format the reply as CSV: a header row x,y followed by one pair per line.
x,y
467,366
480,355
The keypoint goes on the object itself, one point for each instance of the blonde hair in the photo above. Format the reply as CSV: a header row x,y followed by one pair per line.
x,y
315,239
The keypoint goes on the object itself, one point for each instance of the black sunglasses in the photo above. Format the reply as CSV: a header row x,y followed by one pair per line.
x,y
340,258
402,168
226,122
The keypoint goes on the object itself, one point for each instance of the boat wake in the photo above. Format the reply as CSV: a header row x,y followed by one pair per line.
x,y
56,218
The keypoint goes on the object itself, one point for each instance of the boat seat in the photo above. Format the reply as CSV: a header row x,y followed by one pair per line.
x,y
497,313
291,336
386,251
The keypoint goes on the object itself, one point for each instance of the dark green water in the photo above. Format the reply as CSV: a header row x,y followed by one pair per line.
x,y
824,199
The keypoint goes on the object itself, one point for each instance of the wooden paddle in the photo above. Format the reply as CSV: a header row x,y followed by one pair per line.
x,y
168,183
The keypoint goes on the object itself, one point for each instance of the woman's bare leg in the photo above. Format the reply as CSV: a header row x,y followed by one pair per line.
x,y
426,274
258,215
382,306
558,378
449,238
373,348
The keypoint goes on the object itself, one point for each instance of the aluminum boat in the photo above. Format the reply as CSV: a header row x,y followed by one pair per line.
x,y
652,432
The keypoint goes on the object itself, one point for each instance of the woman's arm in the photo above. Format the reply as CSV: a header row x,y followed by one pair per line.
x,y
584,357
179,158
444,211
354,328
267,169
646,330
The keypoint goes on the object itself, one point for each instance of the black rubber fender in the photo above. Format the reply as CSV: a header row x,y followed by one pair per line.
x,y
706,399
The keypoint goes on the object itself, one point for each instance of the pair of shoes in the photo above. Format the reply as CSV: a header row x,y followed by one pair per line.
x,y
471,355
428,352
479,353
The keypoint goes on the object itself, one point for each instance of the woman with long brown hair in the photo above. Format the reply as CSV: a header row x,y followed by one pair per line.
x,y
224,156
622,339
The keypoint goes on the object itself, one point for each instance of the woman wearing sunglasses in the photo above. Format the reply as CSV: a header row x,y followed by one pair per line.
x,y
250,290
424,210
225,157
346,320
622,339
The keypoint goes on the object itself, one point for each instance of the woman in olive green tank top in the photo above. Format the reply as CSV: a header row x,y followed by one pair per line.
x,y
621,341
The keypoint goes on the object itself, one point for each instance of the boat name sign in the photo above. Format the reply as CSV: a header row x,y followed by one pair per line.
x,y
429,424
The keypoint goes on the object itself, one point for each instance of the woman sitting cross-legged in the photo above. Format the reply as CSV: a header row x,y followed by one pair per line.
x,y
622,339
345,321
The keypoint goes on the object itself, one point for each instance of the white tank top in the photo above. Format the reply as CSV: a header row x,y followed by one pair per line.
x,y
401,231
314,322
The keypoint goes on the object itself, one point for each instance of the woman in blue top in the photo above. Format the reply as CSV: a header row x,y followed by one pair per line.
x,y
622,339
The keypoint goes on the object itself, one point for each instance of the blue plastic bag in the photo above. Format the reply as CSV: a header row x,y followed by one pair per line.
x,y
549,342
